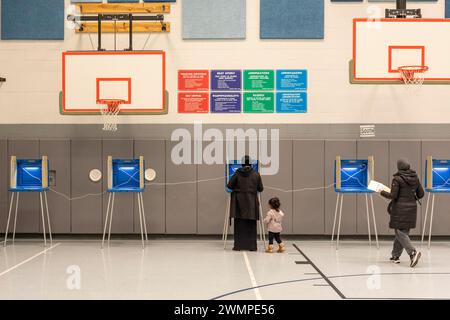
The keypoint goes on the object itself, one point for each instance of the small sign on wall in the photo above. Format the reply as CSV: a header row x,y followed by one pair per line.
x,y
367,131
259,80
292,102
193,102
226,80
193,80
259,102
226,102
292,80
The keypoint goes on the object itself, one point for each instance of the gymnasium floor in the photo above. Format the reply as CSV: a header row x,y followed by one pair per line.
x,y
201,269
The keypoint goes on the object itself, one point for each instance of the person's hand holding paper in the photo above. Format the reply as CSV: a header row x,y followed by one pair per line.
x,y
377,186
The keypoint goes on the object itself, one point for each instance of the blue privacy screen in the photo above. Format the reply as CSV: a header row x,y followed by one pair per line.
x,y
32,20
29,175
354,174
441,176
292,19
214,19
233,166
125,175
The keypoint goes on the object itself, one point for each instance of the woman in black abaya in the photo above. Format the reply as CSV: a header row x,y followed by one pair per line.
x,y
245,185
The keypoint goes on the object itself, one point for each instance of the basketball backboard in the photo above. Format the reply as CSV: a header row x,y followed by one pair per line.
x,y
136,77
381,46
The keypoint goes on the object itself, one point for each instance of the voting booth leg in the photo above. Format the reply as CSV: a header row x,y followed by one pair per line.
x,y
143,215
9,218
374,221
226,223
48,219
368,220
15,218
335,216
140,222
426,217
111,216
106,219
43,219
261,222
339,224
431,221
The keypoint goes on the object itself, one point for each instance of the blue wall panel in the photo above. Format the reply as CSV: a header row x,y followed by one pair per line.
x,y
32,20
86,1
447,8
292,19
214,19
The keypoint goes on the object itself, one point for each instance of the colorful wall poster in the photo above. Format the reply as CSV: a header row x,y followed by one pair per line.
x,y
292,102
193,102
292,80
193,80
259,102
259,80
226,80
226,102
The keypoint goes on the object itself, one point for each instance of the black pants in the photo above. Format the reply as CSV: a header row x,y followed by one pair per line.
x,y
276,236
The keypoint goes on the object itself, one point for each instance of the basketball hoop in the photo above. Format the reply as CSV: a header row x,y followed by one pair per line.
x,y
110,113
413,75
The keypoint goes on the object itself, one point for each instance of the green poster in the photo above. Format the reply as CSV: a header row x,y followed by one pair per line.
x,y
259,80
259,102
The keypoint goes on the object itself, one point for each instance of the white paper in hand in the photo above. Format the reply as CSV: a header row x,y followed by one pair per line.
x,y
377,186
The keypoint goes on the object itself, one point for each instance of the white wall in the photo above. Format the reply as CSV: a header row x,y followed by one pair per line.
x,y
33,72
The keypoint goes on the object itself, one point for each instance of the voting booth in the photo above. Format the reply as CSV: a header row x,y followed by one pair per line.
x,y
125,175
29,175
437,181
353,177
230,169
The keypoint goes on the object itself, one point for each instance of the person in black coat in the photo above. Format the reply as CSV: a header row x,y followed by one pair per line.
x,y
406,191
244,207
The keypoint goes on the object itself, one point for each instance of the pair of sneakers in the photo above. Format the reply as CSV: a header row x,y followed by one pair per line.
x,y
414,257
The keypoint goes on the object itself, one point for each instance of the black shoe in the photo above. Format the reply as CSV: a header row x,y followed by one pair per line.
x,y
395,260
415,257
236,249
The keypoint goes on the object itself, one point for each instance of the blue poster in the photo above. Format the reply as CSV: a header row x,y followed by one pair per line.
x,y
292,80
226,102
292,102
226,80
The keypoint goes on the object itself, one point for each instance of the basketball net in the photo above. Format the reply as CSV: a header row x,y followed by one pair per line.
x,y
110,113
413,75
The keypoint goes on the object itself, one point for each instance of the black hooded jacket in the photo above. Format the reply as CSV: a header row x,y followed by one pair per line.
x,y
245,184
405,191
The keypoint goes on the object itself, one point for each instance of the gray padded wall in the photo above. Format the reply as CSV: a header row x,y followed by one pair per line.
x,y
28,215
181,199
212,198
380,151
86,213
199,208
441,219
410,149
307,172
154,152
122,221
58,152
3,184
283,181
347,150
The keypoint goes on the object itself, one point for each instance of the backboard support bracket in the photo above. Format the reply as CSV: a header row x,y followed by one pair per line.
x,y
401,12
99,18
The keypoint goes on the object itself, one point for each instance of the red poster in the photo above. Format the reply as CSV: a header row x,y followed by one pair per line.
x,y
193,102
193,80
